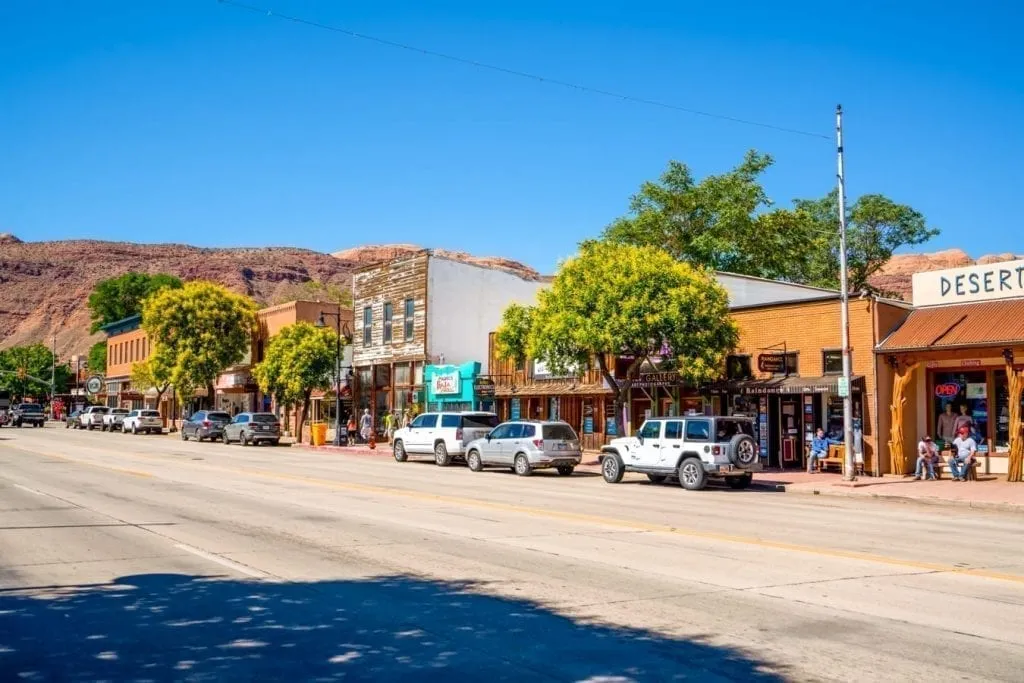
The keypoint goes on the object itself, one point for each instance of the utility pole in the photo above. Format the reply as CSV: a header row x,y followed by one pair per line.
x,y
844,284
53,372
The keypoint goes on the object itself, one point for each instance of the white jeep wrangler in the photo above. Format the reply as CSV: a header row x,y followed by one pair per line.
x,y
691,449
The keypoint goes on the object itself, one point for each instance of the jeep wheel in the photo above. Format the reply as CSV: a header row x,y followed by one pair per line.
x,y
441,457
612,468
399,450
566,470
743,451
657,478
474,462
740,482
522,465
691,474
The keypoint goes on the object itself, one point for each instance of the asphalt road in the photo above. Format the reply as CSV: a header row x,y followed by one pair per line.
x,y
147,558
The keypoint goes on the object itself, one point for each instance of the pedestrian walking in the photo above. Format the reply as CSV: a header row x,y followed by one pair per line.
x,y
352,428
366,425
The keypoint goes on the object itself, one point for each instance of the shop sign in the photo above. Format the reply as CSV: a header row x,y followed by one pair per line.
x,y
976,390
514,409
973,283
972,363
94,384
658,379
446,383
762,426
947,390
610,429
588,424
483,388
771,362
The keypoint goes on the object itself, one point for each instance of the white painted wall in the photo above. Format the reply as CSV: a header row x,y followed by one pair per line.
x,y
751,291
464,305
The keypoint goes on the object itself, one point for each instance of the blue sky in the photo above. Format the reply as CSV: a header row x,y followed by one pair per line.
x,y
193,121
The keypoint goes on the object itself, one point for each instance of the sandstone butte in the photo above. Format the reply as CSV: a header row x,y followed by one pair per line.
x,y
44,285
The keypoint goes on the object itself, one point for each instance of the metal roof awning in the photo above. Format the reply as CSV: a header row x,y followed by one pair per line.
x,y
986,323
828,384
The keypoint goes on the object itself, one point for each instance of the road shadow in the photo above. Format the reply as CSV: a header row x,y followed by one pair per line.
x,y
178,627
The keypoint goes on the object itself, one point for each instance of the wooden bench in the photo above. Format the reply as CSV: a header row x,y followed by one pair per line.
x,y
972,469
835,458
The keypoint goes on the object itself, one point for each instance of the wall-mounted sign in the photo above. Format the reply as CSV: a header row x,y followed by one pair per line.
x,y
94,384
446,383
658,379
483,388
771,362
947,390
973,283
514,409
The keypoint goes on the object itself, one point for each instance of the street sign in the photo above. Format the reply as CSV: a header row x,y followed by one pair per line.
x,y
844,387
94,384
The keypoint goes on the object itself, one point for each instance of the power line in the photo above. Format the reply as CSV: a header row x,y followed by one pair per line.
x,y
520,74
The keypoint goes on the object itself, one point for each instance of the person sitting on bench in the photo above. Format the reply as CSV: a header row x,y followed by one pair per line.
x,y
819,449
964,448
927,456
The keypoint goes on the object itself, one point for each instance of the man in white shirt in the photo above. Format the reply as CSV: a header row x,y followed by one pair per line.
x,y
964,448
927,456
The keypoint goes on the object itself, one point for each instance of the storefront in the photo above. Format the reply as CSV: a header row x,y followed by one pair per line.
x,y
457,387
960,354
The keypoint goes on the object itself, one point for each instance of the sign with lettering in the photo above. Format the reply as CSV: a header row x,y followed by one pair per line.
x,y
771,362
973,283
483,388
947,390
446,383
658,379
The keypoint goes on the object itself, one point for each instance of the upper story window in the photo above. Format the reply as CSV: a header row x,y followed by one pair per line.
x,y
832,362
367,326
388,316
410,315
738,367
791,365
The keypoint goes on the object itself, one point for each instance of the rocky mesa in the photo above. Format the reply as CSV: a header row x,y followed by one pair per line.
x,y
44,285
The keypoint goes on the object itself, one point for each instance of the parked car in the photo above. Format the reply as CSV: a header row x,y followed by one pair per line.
x,y
253,428
27,414
690,449
71,420
147,421
113,419
444,435
205,424
92,417
525,446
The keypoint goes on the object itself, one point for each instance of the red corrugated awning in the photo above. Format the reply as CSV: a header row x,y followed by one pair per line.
x,y
987,323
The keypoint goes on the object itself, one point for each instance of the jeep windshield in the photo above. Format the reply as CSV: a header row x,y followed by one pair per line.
x,y
726,428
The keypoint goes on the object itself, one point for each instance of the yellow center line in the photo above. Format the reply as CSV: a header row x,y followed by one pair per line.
x,y
576,517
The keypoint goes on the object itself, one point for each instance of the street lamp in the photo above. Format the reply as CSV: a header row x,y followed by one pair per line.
x,y
342,328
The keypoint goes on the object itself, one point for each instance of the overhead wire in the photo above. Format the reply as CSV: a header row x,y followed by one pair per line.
x,y
520,74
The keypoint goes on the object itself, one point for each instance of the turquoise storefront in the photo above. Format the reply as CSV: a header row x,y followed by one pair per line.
x,y
457,387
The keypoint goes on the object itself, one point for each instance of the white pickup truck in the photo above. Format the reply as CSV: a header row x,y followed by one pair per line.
x,y
113,419
92,417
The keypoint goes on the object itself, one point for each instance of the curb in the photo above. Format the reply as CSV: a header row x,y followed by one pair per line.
x,y
929,501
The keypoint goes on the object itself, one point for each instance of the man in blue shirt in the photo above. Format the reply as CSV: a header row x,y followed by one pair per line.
x,y
964,448
819,449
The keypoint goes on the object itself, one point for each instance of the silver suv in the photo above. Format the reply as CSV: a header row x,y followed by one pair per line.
x,y
691,449
525,446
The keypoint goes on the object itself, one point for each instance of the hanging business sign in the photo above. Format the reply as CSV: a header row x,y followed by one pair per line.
x,y
483,388
94,384
446,383
771,362
966,285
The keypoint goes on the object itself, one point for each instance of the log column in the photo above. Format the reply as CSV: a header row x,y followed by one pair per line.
x,y
903,372
1015,382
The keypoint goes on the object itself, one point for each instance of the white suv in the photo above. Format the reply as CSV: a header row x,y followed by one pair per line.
x,y
445,435
690,449
147,421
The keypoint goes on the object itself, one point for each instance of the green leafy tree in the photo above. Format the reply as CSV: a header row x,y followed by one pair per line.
x,y
152,373
25,371
727,222
615,300
121,297
197,331
98,358
299,359
876,227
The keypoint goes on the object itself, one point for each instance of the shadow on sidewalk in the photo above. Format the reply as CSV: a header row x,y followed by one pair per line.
x,y
168,626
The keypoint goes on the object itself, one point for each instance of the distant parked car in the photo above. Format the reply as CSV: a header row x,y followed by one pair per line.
x,y
205,424
443,435
525,446
113,419
147,421
28,414
92,417
71,420
253,428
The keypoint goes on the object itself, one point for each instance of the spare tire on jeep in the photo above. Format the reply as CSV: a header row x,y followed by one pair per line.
x,y
743,451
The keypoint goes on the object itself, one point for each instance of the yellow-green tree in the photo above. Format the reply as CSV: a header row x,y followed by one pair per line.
x,y
615,300
198,331
152,373
299,359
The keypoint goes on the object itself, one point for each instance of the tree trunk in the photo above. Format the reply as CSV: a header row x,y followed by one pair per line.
x,y
1015,462
620,387
160,395
904,372
302,417
210,396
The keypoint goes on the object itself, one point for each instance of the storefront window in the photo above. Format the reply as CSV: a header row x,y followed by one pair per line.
x,y
967,393
1002,410
382,376
403,375
418,374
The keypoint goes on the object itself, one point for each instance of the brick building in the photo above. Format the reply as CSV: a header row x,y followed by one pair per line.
x,y
785,372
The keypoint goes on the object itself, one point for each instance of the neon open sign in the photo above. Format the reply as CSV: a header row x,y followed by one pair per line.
x,y
947,390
